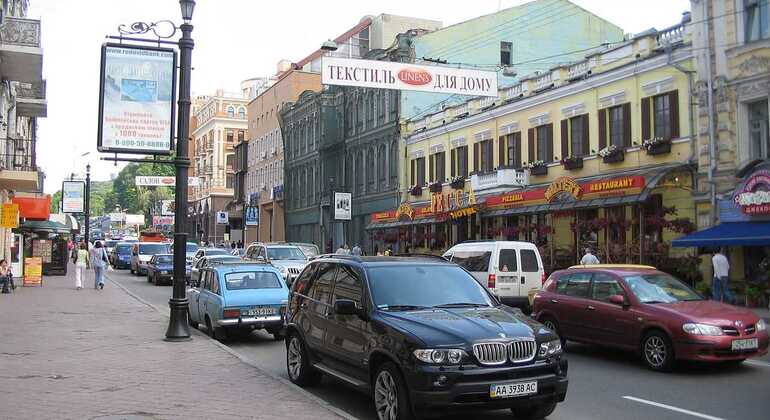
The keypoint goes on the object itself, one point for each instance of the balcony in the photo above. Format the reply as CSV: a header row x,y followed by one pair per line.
x,y
18,169
670,36
577,70
501,178
30,100
21,57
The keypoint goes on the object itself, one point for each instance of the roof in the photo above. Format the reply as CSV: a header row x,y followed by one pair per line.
x,y
245,266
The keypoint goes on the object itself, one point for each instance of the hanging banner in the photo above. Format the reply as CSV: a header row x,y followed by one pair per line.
x,y
10,216
136,99
164,181
33,271
407,76
342,205
73,195
252,216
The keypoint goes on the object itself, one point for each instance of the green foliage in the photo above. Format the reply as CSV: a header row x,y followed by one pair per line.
x,y
56,202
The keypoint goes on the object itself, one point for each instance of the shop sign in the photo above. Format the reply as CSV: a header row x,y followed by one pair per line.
x,y
10,216
162,220
73,196
449,201
407,76
342,202
457,214
135,219
222,218
136,99
33,271
562,189
164,181
754,196
405,210
252,216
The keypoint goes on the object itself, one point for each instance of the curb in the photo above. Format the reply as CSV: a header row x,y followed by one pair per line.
x,y
323,403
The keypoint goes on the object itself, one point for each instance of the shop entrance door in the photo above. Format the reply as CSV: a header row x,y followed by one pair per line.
x,y
16,256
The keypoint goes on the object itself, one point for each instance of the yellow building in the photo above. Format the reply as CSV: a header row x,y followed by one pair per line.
x,y
567,158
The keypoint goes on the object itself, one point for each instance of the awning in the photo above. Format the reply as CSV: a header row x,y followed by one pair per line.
x,y
395,224
728,234
66,219
652,177
44,226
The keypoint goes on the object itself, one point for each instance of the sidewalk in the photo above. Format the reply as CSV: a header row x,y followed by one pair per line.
x,y
88,354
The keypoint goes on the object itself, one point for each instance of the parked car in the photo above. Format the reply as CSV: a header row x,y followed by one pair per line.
x,y
160,269
289,259
238,252
510,269
204,252
649,312
120,257
190,250
109,245
208,261
141,254
310,250
419,334
232,298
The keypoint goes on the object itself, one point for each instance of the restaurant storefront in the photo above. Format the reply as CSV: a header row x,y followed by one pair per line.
x,y
562,217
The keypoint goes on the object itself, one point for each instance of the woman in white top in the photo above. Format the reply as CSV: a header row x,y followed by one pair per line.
x,y
81,264
99,263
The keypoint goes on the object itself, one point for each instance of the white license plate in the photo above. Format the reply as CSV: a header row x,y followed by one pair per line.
x,y
746,344
509,390
164,272
262,311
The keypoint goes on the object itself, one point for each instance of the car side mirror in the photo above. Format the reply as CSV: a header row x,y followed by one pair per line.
x,y
345,307
618,300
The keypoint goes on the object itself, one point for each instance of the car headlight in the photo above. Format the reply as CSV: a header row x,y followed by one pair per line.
x,y
440,356
701,329
761,325
550,348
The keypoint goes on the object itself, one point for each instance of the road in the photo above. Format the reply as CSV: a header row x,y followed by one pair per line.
x,y
604,384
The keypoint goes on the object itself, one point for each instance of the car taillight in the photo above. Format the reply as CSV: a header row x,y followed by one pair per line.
x,y
231,313
542,278
491,281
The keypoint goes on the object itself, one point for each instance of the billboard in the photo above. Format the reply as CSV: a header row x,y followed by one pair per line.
x,y
162,220
73,195
167,208
407,76
137,90
164,181
252,216
342,205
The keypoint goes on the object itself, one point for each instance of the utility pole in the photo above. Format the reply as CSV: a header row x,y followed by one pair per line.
x,y
88,203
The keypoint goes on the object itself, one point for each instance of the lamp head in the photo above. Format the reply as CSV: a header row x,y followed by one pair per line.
x,y
329,45
187,6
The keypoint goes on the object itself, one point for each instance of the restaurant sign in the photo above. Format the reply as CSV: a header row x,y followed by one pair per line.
x,y
567,189
452,201
754,196
563,189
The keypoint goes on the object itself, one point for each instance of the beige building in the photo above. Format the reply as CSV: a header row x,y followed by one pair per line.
x,y
218,122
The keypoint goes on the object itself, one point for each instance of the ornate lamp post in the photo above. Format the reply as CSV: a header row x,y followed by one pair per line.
x,y
178,329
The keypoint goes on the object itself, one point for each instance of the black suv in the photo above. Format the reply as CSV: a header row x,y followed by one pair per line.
x,y
420,334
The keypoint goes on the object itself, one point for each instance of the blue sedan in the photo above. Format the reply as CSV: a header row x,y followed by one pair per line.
x,y
160,269
237,298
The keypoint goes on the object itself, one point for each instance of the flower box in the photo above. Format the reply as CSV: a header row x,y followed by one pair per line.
x,y
458,183
572,163
435,187
538,170
617,156
659,148
415,190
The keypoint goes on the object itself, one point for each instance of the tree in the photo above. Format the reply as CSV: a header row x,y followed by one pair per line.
x,y
56,202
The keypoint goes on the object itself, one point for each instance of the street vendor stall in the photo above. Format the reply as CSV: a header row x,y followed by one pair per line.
x,y
47,240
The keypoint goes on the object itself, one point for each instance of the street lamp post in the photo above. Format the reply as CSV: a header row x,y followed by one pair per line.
x,y
178,329
88,203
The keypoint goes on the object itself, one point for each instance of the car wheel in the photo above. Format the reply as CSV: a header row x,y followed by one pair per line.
x,y
553,325
534,412
190,322
131,268
209,329
277,336
657,351
391,398
298,363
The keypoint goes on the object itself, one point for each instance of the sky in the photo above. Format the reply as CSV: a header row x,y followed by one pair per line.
x,y
234,40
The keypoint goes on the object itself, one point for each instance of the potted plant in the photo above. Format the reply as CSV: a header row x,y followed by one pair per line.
x,y
435,186
457,182
704,288
572,162
537,167
657,146
612,154
415,190
753,296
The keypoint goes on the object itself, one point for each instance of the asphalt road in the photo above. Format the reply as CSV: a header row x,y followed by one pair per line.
x,y
604,384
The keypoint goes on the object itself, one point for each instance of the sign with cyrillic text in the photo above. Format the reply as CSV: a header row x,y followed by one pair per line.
x,y
164,181
407,76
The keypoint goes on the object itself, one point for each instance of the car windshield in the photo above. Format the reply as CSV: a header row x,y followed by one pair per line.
x,y
216,252
164,259
659,288
252,280
124,249
398,287
110,244
192,247
152,249
308,250
285,253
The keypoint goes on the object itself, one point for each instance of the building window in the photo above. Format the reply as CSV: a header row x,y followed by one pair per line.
x,y
418,171
459,163
242,113
759,129
506,54
437,164
229,162
482,161
662,116
574,133
230,112
616,126
510,150
229,136
230,180
544,146
240,136
757,24
381,160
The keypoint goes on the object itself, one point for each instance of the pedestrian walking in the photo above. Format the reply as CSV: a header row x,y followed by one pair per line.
x,y
81,265
340,250
719,288
589,258
6,277
99,263
356,251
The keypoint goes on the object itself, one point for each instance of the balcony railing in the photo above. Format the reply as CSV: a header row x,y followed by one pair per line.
x,y
20,32
578,69
544,81
670,36
17,155
499,178
31,90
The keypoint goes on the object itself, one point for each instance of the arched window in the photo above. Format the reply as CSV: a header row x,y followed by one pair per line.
x,y
393,162
370,174
230,112
242,113
359,171
381,159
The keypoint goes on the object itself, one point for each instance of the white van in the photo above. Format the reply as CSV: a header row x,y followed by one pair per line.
x,y
509,268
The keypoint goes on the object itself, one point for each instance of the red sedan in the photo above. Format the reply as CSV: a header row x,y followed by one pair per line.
x,y
648,312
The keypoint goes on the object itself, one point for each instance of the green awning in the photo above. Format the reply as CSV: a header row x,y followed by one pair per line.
x,y
45,226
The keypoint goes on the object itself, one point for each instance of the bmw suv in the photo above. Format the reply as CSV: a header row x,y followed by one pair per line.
x,y
419,335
